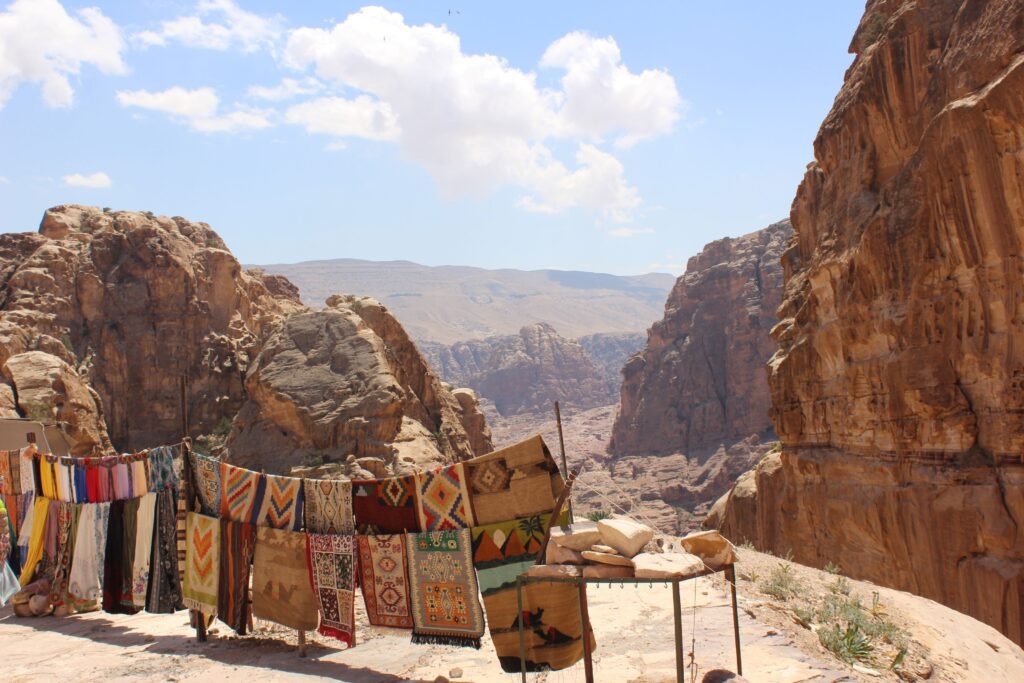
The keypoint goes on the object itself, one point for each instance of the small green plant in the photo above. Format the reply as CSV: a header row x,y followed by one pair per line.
x,y
598,515
849,644
804,616
832,568
314,460
897,661
841,586
747,545
781,584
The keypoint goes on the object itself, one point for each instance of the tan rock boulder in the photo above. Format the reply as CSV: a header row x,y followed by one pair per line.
x,y
599,548
556,554
711,547
625,535
606,558
607,571
577,536
666,565
474,421
558,571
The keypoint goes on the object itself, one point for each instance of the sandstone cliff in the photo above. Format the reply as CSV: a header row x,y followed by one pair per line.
x,y
700,382
346,385
898,388
609,351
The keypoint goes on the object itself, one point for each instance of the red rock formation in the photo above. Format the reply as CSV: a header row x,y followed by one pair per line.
x,y
898,389
700,382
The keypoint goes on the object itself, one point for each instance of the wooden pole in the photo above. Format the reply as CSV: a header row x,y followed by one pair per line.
x,y
677,613
730,576
561,447
302,643
588,655
522,628
562,497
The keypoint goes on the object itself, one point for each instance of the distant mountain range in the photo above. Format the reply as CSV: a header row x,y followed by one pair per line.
x,y
448,304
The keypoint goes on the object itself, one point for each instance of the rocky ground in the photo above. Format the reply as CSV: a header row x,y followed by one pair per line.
x,y
633,626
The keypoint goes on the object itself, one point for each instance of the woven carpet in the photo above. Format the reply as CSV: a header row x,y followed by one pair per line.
x,y
385,506
384,580
443,499
202,563
328,506
444,594
280,580
282,503
332,559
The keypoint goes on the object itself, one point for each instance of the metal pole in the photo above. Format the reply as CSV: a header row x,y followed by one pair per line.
x,y
588,656
730,576
522,633
561,447
677,613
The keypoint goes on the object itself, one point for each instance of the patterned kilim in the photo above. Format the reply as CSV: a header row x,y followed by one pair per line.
x,y
202,568
518,481
385,506
445,605
384,580
282,503
206,474
513,541
281,591
328,506
241,493
443,499
331,560
237,543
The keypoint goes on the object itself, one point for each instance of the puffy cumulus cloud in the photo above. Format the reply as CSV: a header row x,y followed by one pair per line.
x,y
198,108
475,122
287,89
41,43
96,180
217,25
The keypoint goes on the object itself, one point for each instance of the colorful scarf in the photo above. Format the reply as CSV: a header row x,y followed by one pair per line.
x,y
385,506
143,549
59,593
281,591
519,481
237,543
106,477
63,479
122,479
444,593
241,493
139,478
161,469
86,576
6,542
37,539
206,475
25,527
328,506
81,485
202,563
384,580
282,503
26,465
46,478
443,499
331,560
8,482
164,596
92,483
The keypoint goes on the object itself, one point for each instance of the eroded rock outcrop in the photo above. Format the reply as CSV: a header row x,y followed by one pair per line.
x,y
898,389
346,385
700,381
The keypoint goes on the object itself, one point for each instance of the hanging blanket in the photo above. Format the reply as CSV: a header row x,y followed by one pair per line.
x,y
241,493
59,593
161,469
443,499
445,605
122,478
90,546
206,474
202,563
518,481
164,594
328,506
331,560
143,549
37,539
385,506
281,591
237,543
384,580
282,503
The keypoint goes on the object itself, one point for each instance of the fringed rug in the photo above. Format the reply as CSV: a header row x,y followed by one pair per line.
x,y
281,591
328,506
384,580
241,493
165,571
202,563
237,544
518,481
86,575
206,475
282,503
445,605
385,506
332,559
443,499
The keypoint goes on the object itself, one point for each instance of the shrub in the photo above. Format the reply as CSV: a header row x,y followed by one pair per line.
x,y
781,584
598,515
849,644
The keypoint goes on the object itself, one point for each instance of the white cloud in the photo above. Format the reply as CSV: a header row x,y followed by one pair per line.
x,y
217,25
630,232
287,89
196,108
96,180
478,124
41,43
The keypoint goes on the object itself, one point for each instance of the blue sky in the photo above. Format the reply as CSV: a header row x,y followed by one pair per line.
x,y
606,136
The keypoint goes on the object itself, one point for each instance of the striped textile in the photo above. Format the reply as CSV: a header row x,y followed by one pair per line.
x,y
202,571
241,493
282,503
237,543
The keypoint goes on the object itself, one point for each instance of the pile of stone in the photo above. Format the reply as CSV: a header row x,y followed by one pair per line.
x,y
623,548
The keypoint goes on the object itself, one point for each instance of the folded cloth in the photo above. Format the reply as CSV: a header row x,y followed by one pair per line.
x,y
114,560
281,590
443,499
328,506
62,473
241,493
106,477
92,482
46,477
81,485
519,481
444,594
282,503
331,559
237,543
161,469
140,478
206,476
384,579
37,539
385,506
86,575
122,481
202,563
143,548
164,594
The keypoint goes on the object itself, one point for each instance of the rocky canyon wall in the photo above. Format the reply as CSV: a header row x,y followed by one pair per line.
x,y
898,388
